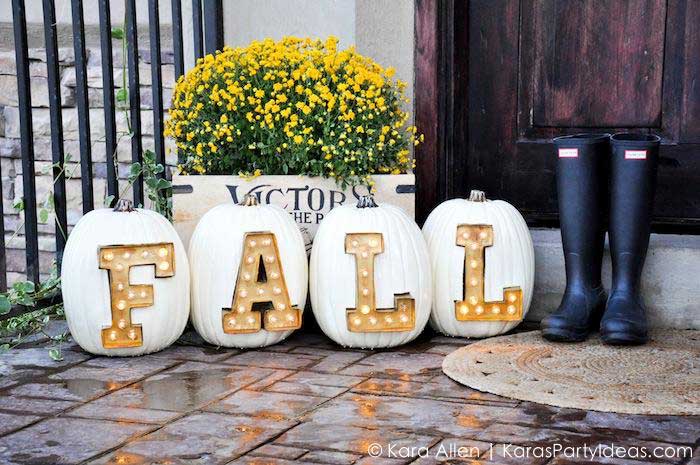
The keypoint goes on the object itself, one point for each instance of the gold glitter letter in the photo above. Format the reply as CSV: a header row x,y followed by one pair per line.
x,y
366,317
117,260
260,280
475,238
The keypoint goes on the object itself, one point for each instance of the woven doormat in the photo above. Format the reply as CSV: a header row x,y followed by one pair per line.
x,y
660,378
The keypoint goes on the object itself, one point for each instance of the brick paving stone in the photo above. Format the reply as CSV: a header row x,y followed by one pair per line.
x,y
101,411
324,379
443,349
518,434
281,348
271,405
248,460
381,461
320,384
306,389
76,390
38,357
283,452
308,340
8,380
419,345
91,379
34,405
458,449
196,353
116,370
633,444
186,387
353,439
394,365
201,438
195,404
335,362
447,387
458,341
22,365
329,457
600,461
273,377
11,422
505,454
447,418
322,351
57,441
677,429
695,459
275,360
440,387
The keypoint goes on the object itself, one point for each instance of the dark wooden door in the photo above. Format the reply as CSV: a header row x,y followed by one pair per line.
x,y
509,75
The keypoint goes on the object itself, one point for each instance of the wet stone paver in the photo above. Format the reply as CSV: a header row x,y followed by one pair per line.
x,y
304,401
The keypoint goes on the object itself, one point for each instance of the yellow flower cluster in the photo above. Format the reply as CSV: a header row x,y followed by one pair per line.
x,y
295,106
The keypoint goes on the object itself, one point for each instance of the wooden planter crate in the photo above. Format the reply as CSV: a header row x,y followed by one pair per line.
x,y
307,199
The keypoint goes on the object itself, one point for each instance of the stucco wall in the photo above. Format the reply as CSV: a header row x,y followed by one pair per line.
x,y
381,29
90,11
384,31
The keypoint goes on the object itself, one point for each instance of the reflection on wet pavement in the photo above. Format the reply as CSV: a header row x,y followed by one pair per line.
x,y
302,401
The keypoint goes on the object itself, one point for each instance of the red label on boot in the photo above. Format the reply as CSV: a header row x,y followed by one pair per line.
x,y
568,153
635,154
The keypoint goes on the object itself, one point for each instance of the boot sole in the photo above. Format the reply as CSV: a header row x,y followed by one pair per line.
x,y
563,335
623,339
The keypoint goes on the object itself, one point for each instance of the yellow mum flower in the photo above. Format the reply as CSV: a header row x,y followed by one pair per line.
x,y
301,106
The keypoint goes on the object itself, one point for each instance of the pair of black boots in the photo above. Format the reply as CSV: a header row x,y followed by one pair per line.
x,y
597,175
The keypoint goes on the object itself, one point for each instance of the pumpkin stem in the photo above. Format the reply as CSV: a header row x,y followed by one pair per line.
x,y
366,201
477,196
124,205
249,200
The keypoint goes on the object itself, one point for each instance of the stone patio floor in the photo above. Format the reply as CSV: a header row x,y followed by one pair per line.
x,y
303,401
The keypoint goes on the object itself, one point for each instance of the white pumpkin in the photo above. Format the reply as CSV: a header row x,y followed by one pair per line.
x,y
401,268
216,251
507,263
87,295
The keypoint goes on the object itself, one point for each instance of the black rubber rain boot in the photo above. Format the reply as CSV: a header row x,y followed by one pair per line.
x,y
582,186
635,158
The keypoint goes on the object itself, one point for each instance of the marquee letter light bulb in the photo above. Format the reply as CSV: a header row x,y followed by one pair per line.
x,y
118,260
475,238
260,249
366,317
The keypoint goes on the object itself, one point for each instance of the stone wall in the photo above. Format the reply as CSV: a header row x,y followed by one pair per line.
x,y
10,154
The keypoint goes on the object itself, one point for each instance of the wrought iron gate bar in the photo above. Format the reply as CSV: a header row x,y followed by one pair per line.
x,y
132,50
57,153
24,99
81,101
208,11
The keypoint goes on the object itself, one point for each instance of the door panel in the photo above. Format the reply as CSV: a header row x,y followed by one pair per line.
x,y
536,69
596,63
690,119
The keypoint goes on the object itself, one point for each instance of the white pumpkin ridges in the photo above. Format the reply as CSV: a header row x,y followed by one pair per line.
x,y
511,236
215,250
86,287
408,242
321,301
333,273
176,320
440,257
501,275
526,244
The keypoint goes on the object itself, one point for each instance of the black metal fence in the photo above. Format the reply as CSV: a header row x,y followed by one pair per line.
x,y
208,36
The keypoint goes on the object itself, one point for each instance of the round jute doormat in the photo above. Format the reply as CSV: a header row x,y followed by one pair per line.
x,y
660,378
